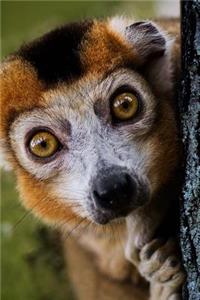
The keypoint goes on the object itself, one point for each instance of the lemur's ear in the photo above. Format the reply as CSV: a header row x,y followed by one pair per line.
x,y
153,49
147,40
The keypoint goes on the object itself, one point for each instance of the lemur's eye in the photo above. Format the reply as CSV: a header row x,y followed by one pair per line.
x,y
43,144
124,106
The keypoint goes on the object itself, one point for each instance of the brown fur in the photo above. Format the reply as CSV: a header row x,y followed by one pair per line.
x,y
104,50
37,198
90,284
167,155
20,91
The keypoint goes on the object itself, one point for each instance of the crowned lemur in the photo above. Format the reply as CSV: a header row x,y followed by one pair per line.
x,y
88,125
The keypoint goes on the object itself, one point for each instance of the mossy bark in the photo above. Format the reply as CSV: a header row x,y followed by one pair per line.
x,y
190,112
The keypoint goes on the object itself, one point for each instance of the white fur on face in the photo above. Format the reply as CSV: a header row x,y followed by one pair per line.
x,y
119,23
90,140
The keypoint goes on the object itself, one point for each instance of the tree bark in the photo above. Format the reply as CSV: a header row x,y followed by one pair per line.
x,y
189,112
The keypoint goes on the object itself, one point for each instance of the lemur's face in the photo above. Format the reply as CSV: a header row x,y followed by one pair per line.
x,y
87,133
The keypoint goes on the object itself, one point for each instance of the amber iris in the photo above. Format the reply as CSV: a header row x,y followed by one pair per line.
x,y
124,106
43,144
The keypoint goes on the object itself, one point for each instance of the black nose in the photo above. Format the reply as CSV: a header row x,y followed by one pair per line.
x,y
113,190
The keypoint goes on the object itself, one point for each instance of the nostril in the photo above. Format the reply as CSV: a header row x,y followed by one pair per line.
x,y
100,196
129,181
96,195
103,199
128,178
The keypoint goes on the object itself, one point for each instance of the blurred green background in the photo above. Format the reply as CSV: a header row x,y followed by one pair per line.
x,y
32,263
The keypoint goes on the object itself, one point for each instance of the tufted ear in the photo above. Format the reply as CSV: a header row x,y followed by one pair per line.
x,y
147,40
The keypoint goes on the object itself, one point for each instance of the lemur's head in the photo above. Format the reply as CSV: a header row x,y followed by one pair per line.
x,y
86,119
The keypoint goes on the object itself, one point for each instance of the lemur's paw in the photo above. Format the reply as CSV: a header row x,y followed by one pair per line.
x,y
160,262
160,291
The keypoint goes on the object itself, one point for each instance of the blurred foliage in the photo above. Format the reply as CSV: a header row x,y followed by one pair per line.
x,y
32,261
32,265
24,20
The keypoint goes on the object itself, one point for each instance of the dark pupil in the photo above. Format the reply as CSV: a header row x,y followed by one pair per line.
x,y
43,144
125,105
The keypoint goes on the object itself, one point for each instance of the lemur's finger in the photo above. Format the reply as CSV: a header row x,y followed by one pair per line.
x,y
150,261
158,249
172,287
170,267
148,250
177,280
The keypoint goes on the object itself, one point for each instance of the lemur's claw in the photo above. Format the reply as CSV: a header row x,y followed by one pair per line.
x,y
160,264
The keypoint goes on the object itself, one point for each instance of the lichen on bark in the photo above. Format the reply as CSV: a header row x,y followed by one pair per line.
x,y
190,117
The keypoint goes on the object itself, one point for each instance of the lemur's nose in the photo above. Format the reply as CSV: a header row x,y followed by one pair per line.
x,y
113,190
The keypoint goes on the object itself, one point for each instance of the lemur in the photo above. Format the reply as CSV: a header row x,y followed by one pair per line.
x,y
88,124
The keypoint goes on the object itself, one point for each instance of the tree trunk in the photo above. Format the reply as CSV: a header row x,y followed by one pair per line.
x,y
189,112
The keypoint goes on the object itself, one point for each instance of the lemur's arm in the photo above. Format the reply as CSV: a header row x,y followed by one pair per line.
x,y
157,260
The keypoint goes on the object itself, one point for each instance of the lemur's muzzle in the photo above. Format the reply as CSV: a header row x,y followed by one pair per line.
x,y
116,192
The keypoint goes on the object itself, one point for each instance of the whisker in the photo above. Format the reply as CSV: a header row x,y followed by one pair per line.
x,y
66,222
113,232
86,226
24,216
119,237
74,228
29,212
